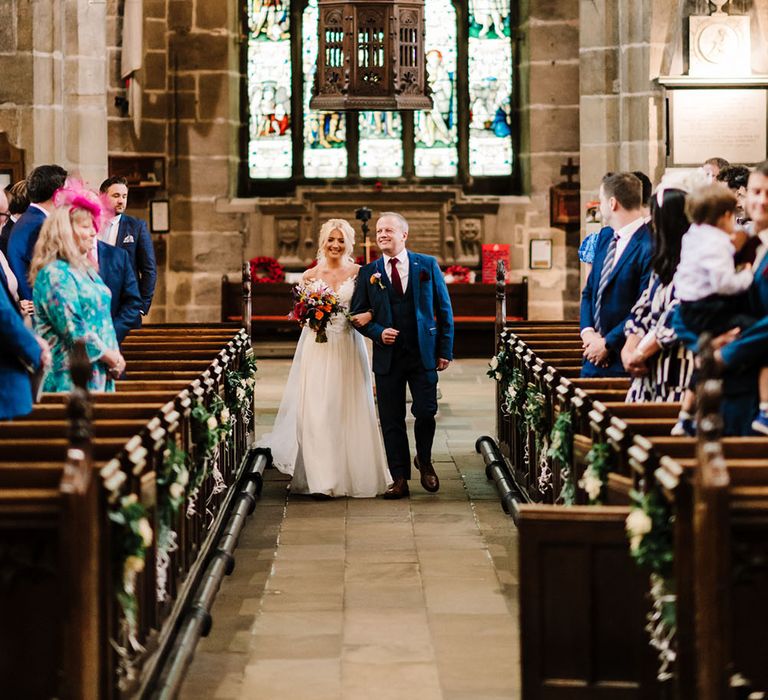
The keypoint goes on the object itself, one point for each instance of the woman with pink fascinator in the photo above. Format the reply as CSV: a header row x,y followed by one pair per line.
x,y
71,301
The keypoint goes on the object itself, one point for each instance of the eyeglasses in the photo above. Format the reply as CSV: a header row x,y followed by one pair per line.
x,y
6,214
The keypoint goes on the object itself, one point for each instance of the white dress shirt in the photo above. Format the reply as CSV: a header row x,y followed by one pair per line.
x,y
109,234
402,267
37,206
706,265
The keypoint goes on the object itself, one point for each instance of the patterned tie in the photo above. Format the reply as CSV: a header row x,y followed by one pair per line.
x,y
397,283
605,273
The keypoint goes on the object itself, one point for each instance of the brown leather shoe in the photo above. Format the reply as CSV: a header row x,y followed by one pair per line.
x,y
429,479
398,490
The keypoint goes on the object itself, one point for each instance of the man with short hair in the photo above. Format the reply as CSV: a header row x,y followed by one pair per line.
x,y
620,273
131,235
713,166
412,333
42,183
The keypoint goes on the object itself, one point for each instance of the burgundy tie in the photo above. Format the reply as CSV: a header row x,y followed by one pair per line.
x,y
397,283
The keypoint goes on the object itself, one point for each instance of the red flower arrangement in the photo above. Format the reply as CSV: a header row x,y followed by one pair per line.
x,y
265,270
313,306
458,274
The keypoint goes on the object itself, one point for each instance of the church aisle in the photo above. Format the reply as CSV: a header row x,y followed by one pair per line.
x,y
370,598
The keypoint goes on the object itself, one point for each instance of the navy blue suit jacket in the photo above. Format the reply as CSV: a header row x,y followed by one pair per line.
x,y
22,244
434,316
133,237
626,282
19,352
116,271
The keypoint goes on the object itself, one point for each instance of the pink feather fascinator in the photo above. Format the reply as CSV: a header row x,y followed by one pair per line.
x,y
75,195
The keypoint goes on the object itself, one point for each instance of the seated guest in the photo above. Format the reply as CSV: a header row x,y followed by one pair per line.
x,y
131,235
42,182
745,356
660,364
21,353
71,300
619,275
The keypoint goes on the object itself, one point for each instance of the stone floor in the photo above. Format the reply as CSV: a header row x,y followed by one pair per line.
x,y
373,599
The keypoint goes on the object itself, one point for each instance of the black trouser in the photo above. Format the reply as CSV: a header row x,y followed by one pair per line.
x,y
407,369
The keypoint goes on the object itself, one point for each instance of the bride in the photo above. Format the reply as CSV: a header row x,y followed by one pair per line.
x,y
326,433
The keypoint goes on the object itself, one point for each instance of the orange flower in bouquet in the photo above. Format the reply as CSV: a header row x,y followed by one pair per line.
x,y
313,305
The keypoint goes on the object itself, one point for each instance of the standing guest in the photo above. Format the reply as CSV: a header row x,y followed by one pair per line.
x,y
746,355
647,195
6,223
619,275
713,166
114,268
21,351
42,182
71,300
18,203
660,364
131,235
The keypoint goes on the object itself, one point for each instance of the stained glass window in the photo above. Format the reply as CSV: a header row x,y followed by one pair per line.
x,y
325,133
490,88
436,153
269,89
381,144
432,145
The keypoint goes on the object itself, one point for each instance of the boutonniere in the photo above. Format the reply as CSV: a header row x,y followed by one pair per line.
x,y
376,278
423,276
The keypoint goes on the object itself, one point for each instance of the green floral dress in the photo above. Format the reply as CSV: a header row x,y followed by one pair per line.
x,y
70,305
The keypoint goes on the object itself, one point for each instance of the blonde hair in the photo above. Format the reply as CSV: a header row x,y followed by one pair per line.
x,y
57,241
346,231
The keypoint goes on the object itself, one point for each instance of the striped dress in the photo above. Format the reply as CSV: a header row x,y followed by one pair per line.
x,y
670,369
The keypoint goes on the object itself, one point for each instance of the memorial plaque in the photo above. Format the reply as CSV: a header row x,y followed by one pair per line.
x,y
721,123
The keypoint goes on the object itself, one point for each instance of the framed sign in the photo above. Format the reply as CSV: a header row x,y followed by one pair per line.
x,y
728,123
540,254
159,216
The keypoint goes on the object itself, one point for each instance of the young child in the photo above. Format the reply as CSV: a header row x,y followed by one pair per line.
x,y
709,286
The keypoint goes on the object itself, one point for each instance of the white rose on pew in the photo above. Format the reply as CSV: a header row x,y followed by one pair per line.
x,y
176,491
145,530
183,477
251,382
240,394
494,363
638,524
224,415
592,484
212,423
133,565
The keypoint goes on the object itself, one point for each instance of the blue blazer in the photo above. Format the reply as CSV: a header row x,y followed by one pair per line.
x,y
133,237
434,316
22,244
116,271
19,352
626,283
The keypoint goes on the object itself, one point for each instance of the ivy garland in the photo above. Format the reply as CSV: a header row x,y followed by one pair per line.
x,y
499,368
595,475
649,528
561,448
512,405
172,480
207,433
533,411
135,536
240,385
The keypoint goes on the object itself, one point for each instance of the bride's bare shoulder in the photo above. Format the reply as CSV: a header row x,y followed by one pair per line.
x,y
309,275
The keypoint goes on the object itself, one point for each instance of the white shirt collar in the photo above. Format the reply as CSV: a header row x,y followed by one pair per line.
x,y
402,257
629,229
37,206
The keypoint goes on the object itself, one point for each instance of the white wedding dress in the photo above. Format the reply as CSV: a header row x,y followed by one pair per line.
x,y
326,433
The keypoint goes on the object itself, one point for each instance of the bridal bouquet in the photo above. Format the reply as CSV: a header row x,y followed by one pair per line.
x,y
313,305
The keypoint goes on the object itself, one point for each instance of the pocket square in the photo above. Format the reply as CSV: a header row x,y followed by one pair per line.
x,y
423,276
129,239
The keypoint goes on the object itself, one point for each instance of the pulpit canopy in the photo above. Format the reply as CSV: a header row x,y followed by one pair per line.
x,y
371,56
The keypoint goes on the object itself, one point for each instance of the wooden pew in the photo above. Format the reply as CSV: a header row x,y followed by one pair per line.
x,y
130,429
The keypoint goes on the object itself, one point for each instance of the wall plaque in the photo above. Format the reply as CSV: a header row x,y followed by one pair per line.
x,y
728,124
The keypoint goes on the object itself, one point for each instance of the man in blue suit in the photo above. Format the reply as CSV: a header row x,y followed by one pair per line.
x,y
115,270
21,352
42,182
747,354
620,273
131,235
412,334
